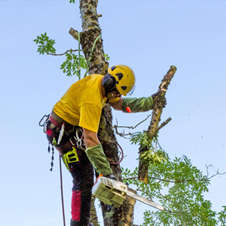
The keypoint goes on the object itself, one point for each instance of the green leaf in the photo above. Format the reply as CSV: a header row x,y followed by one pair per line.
x,y
45,45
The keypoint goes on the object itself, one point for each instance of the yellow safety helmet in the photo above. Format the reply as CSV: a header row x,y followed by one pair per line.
x,y
125,78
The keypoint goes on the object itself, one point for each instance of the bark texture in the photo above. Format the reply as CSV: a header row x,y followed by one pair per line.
x,y
156,117
97,64
124,214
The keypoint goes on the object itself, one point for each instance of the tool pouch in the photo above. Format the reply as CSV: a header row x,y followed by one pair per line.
x,y
71,159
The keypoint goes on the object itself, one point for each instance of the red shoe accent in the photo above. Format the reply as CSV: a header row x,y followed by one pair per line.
x,y
76,205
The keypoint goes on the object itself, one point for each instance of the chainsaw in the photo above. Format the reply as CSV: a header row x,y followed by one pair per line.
x,y
114,192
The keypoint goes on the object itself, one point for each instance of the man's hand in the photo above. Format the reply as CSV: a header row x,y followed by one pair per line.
x,y
156,94
158,98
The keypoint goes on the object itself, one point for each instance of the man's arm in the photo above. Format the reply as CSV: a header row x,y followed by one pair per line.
x,y
95,153
90,138
134,104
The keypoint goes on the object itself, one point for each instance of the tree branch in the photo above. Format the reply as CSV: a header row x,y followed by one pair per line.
x,y
178,181
160,127
61,54
153,127
129,127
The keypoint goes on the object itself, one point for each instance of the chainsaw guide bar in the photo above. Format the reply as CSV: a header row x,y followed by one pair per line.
x,y
114,192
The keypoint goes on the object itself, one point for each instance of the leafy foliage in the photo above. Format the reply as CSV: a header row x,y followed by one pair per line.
x,y
179,187
45,44
72,65
142,139
222,216
152,155
72,1
107,57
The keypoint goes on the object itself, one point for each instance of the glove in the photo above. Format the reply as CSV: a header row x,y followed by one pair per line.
x,y
160,99
97,157
156,94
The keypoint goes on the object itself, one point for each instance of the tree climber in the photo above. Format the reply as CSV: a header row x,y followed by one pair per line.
x,y
73,125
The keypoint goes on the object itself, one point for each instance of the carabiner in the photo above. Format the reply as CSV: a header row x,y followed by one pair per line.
x,y
79,140
43,123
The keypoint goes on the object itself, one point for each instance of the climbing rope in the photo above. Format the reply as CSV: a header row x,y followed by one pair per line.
x,y
122,156
79,68
61,188
91,54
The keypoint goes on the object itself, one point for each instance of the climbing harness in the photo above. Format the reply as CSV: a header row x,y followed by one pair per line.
x,y
71,159
57,131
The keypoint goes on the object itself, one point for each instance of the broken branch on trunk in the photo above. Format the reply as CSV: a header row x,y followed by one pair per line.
x,y
160,127
157,111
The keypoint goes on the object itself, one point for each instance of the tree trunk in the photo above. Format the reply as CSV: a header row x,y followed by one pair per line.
x,y
97,64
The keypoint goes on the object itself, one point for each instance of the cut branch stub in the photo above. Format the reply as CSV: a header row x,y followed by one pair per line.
x,y
153,127
73,33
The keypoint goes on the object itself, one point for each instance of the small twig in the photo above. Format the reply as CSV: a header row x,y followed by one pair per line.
x,y
128,127
160,127
131,127
61,54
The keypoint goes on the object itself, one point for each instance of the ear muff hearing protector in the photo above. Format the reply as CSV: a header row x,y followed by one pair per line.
x,y
109,83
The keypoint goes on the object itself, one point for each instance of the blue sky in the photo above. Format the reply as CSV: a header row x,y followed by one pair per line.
x,y
148,36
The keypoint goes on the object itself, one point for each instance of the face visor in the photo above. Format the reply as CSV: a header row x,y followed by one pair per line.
x,y
126,90
131,91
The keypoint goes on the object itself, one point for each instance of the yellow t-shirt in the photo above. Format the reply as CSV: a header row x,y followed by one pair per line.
x,y
82,104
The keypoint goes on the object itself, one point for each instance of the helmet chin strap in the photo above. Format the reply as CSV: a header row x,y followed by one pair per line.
x,y
107,91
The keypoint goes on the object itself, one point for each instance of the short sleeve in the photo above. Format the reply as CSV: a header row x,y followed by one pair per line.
x,y
90,117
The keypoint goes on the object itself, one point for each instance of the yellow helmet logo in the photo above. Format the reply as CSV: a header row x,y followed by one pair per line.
x,y
125,78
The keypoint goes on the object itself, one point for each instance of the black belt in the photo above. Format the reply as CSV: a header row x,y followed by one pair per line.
x,y
57,121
